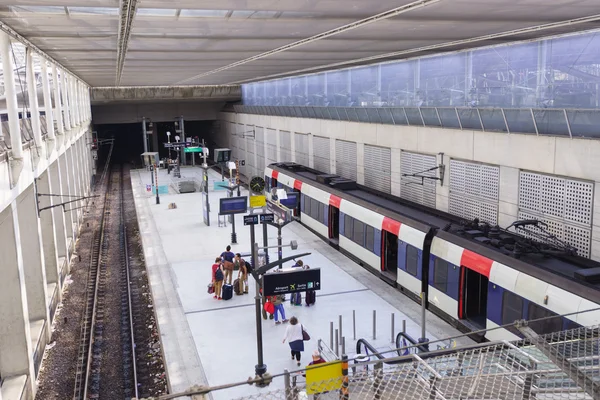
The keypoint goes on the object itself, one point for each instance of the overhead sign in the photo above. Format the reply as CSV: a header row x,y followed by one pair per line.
x,y
250,219
264,218
193,150
281,212
254,219
176,145
258,201
293,281
233,205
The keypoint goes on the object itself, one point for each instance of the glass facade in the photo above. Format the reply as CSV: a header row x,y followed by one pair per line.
x,y
559,73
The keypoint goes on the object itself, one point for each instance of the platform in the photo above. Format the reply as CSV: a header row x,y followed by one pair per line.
x,y
213,342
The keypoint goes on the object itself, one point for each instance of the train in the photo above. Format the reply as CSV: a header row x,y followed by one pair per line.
x,y
479,278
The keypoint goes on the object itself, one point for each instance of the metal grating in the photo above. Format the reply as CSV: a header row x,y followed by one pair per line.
x,y
474,191
378,168
271,146
285,146
301,142
260,150
242,149
564,204
322,154
345,159
413,188
251,157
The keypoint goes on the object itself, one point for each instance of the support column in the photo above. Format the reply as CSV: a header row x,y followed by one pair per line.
x,y
145,133
60,223
48,228
311,161
360,163
51,138
58,113
75,91
182,127
155,138
65,101
33,261
15,335
33,104
16,162
66,190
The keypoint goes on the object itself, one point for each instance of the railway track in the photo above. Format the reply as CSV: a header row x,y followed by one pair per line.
x,y
108,311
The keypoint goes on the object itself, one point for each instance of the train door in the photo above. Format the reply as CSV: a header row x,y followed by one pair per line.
x,y
473,297
334,224
389,253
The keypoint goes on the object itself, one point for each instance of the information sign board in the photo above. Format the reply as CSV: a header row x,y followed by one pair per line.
x,y
282,213
295,280
254,219
258,201
233,205
192,150
251,219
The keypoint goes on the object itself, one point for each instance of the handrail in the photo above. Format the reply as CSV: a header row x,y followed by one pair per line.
x,y
422,348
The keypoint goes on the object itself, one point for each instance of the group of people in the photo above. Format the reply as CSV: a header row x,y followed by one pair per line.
x,y
222,273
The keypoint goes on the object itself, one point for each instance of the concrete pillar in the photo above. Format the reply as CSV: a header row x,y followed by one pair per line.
x,y
311,151
332,158
66,191
442,193
155,138
48,104
74,85
82,165
58,112
60,223
33,260
6,56
293,142
278,141
595,251
396,171
360,163
48,228
33,104
15,335
508,196
73,186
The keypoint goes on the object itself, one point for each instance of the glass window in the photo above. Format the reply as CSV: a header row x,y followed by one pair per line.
x,y
440,275
307,205
348,226
370,238
412,260
314,209
547,326
321,216
359,233
512,308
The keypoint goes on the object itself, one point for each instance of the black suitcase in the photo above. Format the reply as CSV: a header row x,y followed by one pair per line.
x,y
227,292
311,297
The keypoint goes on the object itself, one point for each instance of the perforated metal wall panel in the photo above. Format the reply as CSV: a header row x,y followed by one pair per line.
x,y
345,159
378,168
301,143
285,146
260,150
413,188
271,146
474,191
564,204
321,153
242,149
251,156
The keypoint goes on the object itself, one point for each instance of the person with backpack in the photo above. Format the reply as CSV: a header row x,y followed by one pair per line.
x,y
310,296
217,277
242,273
279,309
227,257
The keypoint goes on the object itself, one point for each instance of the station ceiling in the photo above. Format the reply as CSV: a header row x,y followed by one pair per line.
x,y
209,42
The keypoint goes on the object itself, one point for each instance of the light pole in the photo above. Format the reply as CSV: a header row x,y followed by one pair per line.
x,y
169,141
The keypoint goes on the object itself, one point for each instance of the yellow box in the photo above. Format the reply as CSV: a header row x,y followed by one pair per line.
x,y
258,201
325,377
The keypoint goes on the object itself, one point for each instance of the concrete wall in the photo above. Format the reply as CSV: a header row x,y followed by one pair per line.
x,y
122,113
576,158
35,250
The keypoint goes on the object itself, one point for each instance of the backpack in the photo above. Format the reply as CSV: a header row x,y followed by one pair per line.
x,y
218,275
249,268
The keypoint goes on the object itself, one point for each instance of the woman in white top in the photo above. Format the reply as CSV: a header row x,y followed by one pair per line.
x,y
293,335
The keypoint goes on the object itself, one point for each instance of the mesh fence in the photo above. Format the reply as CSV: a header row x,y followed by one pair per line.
x,y
562,365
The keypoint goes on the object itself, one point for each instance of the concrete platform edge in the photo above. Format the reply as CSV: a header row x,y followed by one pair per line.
x,y
182,363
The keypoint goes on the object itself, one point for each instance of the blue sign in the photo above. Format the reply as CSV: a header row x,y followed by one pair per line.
x,y
250,219
291,201
233,205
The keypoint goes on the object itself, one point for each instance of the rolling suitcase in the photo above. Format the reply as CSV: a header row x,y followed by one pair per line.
x,y
227,292
296,299
237,288
311,297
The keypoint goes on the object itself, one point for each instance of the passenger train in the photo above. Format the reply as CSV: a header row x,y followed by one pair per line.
x,y
473,275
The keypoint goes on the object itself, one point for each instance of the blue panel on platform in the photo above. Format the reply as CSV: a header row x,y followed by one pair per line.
x,y
221,185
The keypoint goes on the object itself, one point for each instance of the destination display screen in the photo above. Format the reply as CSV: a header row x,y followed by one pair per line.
x,y
233,205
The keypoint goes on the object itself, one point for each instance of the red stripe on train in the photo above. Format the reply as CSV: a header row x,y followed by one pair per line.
x,y
391,226
476,262
275,175
298,185
335,201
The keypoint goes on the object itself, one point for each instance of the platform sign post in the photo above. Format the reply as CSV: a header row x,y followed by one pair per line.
x,y
205,203
156,177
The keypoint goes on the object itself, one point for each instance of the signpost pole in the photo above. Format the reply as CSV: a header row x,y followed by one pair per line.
x,y
156,177
205,183
265,242
280,249
145,134
260,368
151,175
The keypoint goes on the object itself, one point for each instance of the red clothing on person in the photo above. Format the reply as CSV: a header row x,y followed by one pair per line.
x,y
319,361
215,267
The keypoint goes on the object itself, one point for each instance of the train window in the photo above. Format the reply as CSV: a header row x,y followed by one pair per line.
x,y
440,274
307,205
512,308
359,233
314,209
549,325
321,217
412,260
370,241
348,226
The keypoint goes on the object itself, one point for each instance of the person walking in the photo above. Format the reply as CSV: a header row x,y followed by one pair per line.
x,y
217,277
279,309
295,338
264,299
242,273
227,256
